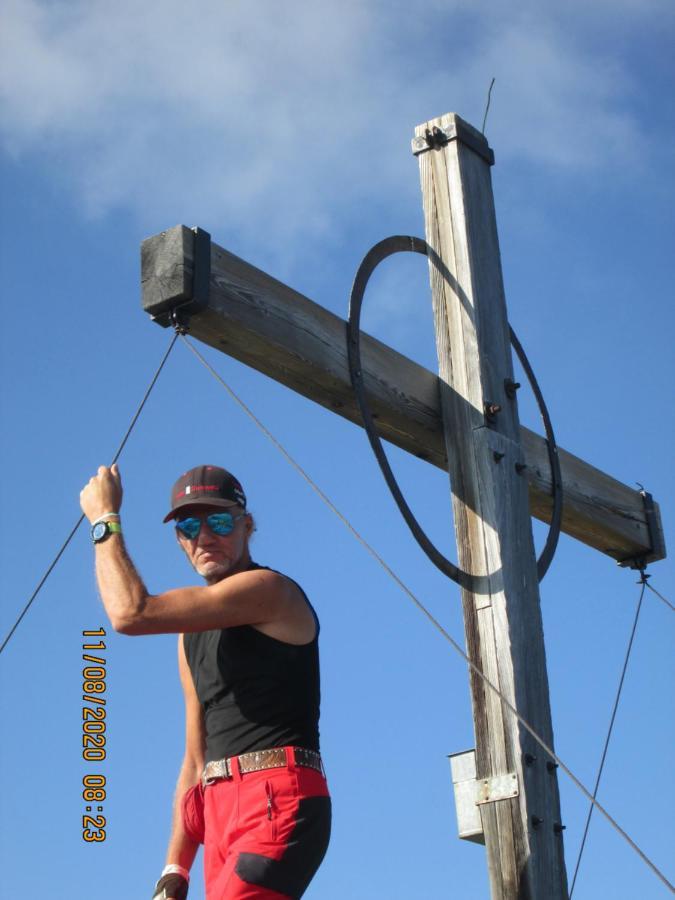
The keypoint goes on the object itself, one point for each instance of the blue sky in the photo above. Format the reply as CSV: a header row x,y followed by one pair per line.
x,y
284,130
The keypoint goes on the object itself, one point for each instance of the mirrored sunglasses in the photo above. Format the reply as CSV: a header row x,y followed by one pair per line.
x,y
221,523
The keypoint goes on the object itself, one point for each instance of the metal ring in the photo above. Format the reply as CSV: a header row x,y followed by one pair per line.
x,y
381,250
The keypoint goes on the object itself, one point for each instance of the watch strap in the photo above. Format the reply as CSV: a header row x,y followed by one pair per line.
x,y
101,530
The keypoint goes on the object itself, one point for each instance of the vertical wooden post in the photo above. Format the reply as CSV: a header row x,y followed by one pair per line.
x,y
502,618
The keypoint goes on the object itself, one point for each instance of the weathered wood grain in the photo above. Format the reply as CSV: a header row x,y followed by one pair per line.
x,y
491,514
269,326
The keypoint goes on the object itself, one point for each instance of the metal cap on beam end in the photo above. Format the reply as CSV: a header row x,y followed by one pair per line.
x,y
657,543
456,129
175,273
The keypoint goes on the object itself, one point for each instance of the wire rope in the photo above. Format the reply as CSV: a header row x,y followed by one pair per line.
x,y
660,596
80,520
418,603
609,732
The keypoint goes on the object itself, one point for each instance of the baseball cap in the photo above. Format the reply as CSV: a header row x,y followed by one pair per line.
x,y
207,486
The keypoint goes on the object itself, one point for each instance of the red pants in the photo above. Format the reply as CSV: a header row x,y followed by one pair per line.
x,y
265,833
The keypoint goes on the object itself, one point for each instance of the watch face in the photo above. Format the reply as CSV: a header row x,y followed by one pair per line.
x,y
99,531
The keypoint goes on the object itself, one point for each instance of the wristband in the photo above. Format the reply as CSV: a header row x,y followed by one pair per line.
x,y
173,869
104,517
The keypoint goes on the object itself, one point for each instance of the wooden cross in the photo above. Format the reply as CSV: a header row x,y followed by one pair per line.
x,y
499,471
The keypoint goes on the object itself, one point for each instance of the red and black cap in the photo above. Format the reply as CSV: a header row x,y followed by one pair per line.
x,y
206,486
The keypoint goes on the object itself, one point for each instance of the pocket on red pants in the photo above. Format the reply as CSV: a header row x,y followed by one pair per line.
x,y
192,809
299,810
289,871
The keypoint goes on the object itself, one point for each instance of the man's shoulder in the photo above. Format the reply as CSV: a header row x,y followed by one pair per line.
x,y
276,575
301,623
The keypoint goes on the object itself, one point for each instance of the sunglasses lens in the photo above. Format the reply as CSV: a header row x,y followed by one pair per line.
x,y
189,527
220,523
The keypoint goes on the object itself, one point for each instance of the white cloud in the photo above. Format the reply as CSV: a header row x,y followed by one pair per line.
x,y
164,104
270,114
553,103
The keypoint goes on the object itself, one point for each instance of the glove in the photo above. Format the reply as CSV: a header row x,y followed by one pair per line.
x,y
171,886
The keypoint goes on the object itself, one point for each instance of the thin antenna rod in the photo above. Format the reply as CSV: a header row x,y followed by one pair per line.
x,y
487,106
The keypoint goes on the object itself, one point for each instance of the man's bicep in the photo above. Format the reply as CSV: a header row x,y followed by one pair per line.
x,y
246,598
195,738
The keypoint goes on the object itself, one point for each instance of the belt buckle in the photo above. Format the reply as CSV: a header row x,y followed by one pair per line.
x,y
218,769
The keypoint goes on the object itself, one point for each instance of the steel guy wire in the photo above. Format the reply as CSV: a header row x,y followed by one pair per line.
x,y
643,582
660,596
422,608
79,521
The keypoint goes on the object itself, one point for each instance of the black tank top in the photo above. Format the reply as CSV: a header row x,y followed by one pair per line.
x,y
256,691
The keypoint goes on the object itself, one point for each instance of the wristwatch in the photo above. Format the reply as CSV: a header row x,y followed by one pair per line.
x,y
101,530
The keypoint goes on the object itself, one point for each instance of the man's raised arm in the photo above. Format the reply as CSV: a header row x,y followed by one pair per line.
x,y
243,598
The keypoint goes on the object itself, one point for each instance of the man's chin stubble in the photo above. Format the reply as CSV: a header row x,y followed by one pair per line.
x,y
213,572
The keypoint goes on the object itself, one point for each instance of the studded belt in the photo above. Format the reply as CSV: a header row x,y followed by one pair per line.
x,y
276,758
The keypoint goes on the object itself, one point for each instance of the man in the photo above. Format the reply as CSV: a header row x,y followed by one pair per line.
x,y
251,786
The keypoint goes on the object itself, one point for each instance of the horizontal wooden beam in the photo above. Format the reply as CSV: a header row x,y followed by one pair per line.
x,y
267,325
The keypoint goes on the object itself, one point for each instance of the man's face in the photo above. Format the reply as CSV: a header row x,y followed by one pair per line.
x,y
214,556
